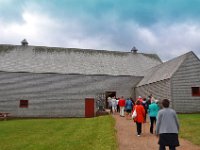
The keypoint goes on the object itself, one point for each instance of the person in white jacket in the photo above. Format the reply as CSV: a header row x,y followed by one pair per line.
x,y
114,105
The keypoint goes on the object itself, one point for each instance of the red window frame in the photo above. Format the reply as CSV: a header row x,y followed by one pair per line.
x,y
195,91
23,104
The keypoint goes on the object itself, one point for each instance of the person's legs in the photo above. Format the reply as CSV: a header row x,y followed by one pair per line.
x,y
172,148
118,110
139,127
155,122
113,109
152,119
128,111
162,147
151,126
122,111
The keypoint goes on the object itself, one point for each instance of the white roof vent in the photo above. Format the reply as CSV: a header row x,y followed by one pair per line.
x,y
24,42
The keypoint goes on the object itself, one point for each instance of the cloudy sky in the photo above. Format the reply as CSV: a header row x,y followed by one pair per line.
x,y
168,28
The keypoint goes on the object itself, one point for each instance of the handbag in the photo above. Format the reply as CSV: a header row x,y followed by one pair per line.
x,y
134,114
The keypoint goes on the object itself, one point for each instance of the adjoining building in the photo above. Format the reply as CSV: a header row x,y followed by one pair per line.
x,y
177,80
37,81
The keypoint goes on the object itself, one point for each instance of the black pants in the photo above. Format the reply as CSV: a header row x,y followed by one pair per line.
x,y
170,147
139,128
153,120
111,109
118,109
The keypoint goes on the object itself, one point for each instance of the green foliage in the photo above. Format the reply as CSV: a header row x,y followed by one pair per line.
x,y
190,127
58,134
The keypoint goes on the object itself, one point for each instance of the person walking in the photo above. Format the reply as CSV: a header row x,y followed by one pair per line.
x,y
114,104
121,104
153,112
110,104
167,127
139,119
128,107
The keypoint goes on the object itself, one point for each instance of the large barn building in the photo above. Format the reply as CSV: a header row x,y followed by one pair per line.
x,y
38,81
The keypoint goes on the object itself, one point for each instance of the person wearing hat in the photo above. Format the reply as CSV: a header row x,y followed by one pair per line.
x,y
167,127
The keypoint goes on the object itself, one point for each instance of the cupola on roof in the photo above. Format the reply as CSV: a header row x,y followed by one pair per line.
x,y
134,49
24,42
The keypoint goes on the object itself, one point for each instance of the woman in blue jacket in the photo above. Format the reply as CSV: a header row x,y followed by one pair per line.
x,y
153,111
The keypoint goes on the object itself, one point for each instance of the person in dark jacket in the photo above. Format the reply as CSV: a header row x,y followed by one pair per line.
x,y
167,127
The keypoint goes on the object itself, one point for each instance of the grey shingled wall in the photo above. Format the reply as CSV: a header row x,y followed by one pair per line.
x,y
57,95
187,76
160,90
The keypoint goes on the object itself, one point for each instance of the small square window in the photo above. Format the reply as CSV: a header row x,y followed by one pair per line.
x,y
195,91
23,104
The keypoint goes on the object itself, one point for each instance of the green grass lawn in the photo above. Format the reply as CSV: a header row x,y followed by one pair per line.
x,y
190,127
58,134
74,134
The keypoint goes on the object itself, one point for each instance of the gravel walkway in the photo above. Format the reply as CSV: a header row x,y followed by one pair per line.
x,y
128,140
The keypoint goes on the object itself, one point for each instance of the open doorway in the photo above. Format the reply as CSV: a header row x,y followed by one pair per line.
x,y
109,94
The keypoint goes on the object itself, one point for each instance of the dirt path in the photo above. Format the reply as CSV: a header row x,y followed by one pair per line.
x,y
128,140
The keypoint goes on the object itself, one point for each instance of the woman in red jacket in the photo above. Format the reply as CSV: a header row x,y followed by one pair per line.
x,y
139,119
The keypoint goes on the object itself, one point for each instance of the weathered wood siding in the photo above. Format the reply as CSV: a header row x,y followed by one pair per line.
x,y
187,76
57,95
37,59
160,90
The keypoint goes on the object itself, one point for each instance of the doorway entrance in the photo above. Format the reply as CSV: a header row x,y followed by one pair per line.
x,y
89,107
109,94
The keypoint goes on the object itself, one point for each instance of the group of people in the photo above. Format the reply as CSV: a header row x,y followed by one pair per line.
x,y
120,105
159,112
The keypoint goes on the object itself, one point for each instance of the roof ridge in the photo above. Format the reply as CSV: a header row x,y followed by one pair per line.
x,y
82,49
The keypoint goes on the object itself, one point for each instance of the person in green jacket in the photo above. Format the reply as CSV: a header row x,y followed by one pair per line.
x,y
153,111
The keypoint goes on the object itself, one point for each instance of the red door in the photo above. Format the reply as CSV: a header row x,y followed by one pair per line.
x,y
89,107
